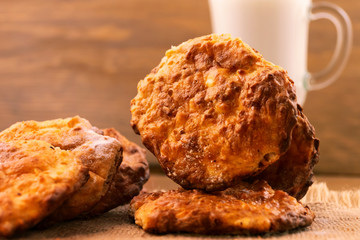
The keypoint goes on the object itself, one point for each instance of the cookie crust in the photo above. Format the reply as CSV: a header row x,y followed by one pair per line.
x,y
243,209
214,111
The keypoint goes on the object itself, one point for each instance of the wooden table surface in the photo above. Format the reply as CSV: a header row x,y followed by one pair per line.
x,y
65,58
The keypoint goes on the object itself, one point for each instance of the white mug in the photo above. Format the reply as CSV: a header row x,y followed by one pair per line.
x,y
278,29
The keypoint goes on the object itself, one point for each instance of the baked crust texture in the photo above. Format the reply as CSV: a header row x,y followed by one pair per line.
x,y
100,154
293,172
35,179
214,111
130,176
243,209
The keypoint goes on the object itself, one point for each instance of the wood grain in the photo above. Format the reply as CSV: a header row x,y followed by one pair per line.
x,y
64,58
335,111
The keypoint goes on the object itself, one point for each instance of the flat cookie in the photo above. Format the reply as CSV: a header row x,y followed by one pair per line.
x,y
243,209
101,154
35,179
214,111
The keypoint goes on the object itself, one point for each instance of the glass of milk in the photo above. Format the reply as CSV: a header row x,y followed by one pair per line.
x,y
278,29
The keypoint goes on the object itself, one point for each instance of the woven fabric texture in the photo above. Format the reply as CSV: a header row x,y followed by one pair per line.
x,y
337,217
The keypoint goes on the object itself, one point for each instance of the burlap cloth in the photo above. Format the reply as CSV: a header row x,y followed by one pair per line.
x,y
337,217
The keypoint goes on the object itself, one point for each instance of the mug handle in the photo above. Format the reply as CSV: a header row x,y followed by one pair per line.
x,y
342,23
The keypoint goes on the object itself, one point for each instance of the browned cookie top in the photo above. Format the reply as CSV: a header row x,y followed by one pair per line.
x,y
214,111
243,209
101,154
35,179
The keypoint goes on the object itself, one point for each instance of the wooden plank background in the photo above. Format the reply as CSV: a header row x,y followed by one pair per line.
x,y
64,58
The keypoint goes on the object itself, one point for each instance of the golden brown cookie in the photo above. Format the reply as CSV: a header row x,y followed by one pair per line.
x,y
130,176
35,179
101,154
214,111
293,172
243,209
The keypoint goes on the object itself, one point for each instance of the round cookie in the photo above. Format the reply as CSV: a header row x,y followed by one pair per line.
x,y
101,154
35,179
243,209
214,111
